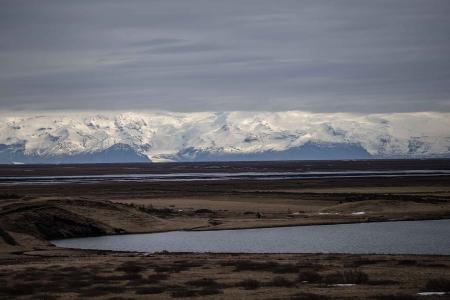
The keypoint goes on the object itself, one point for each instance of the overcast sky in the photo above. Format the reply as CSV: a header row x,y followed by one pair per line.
x,y
321,56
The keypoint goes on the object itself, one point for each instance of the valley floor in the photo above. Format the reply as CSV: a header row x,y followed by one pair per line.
x,y
32,268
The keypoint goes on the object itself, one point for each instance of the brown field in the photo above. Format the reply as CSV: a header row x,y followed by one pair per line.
x,y
30,215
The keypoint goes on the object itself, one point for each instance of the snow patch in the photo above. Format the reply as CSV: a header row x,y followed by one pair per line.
x,y
431,293
161,135
358,213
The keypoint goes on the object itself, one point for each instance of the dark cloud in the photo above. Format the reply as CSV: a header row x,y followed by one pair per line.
x,y
325,56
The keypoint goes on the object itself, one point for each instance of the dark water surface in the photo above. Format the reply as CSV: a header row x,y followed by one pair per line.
x,y
406,237
18,180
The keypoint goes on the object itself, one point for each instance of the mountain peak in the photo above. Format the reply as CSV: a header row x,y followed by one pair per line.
x,y
161,136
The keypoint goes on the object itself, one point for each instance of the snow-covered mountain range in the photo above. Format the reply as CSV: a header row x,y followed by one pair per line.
x,y
162,136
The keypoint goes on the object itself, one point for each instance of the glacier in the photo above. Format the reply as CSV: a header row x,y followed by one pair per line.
x,y
79,137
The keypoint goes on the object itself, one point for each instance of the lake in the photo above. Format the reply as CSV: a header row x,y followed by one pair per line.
x,y
405,237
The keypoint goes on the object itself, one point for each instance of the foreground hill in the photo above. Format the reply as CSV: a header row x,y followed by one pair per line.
x,y
27,223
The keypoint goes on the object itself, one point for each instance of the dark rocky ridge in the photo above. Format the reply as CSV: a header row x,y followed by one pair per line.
x,y
117,153
123,153
308,151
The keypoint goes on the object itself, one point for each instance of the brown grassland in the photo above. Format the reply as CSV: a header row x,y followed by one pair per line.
x,y
31,215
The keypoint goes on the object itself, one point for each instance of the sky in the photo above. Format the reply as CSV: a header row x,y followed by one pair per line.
x,y
356,56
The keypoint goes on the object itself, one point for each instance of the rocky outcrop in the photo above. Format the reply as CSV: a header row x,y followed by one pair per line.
x,y
57,219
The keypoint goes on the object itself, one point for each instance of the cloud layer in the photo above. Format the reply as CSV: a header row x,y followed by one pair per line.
x,y
321,56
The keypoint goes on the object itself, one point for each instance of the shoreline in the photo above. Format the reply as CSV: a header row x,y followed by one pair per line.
x,y
263,227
